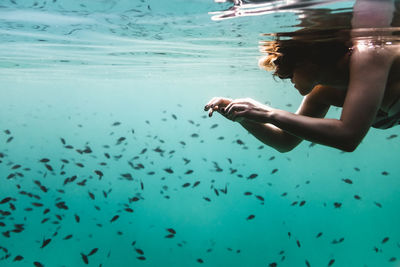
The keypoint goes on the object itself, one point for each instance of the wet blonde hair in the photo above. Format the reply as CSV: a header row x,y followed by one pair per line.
x,y
283,56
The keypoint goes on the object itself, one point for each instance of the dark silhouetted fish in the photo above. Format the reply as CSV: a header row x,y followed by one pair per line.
x,y
49,167
252,176
45,242
250,217
332,261
93,251
85,258
99,173
196,183
120,140
18,258
337,204
67,237
114,218
168,170
348,181
5,200
172,231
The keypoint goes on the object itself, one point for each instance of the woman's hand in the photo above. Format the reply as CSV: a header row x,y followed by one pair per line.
x,y
239,109
217,104
247,109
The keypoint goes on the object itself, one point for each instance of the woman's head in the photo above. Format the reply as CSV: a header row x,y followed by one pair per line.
x,y
315,49
288,57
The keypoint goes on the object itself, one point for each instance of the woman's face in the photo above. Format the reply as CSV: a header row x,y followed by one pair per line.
x,y
304,79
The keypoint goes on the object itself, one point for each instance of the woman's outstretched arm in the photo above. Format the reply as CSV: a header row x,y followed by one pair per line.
x,y
315,104
369,68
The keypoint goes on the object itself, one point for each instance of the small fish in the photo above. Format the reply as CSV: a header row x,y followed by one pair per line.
x,y
214,126
168,170
357,197
200,260
302,203
252,176
196,183
114,218
298,243
172,231
49,167
308,264
45,242
79,165
5,200
386,239
274,171
142,258
378,204
120,140
139,251
93,251
186,185
332,261
67,237
169,236
44,160
348,181
250,217
18,258
99,173
240,142
91,195
116,123
77,219
85,258
391,136
38,264
385,173
319,235
337,205
207,199
260,198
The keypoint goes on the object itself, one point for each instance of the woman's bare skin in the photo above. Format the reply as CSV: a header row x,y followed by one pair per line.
x,y
371,84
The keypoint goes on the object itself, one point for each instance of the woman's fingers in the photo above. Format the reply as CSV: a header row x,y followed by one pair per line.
x,y
215,104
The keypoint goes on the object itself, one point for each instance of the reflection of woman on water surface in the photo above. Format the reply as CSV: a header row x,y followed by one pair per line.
x,y
363,78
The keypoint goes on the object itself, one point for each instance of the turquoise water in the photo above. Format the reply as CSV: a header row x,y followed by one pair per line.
x,y
119,87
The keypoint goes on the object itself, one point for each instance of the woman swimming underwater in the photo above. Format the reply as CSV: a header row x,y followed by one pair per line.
x,y
361,76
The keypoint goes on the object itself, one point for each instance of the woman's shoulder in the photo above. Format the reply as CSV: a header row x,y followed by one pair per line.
x,y
327,95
